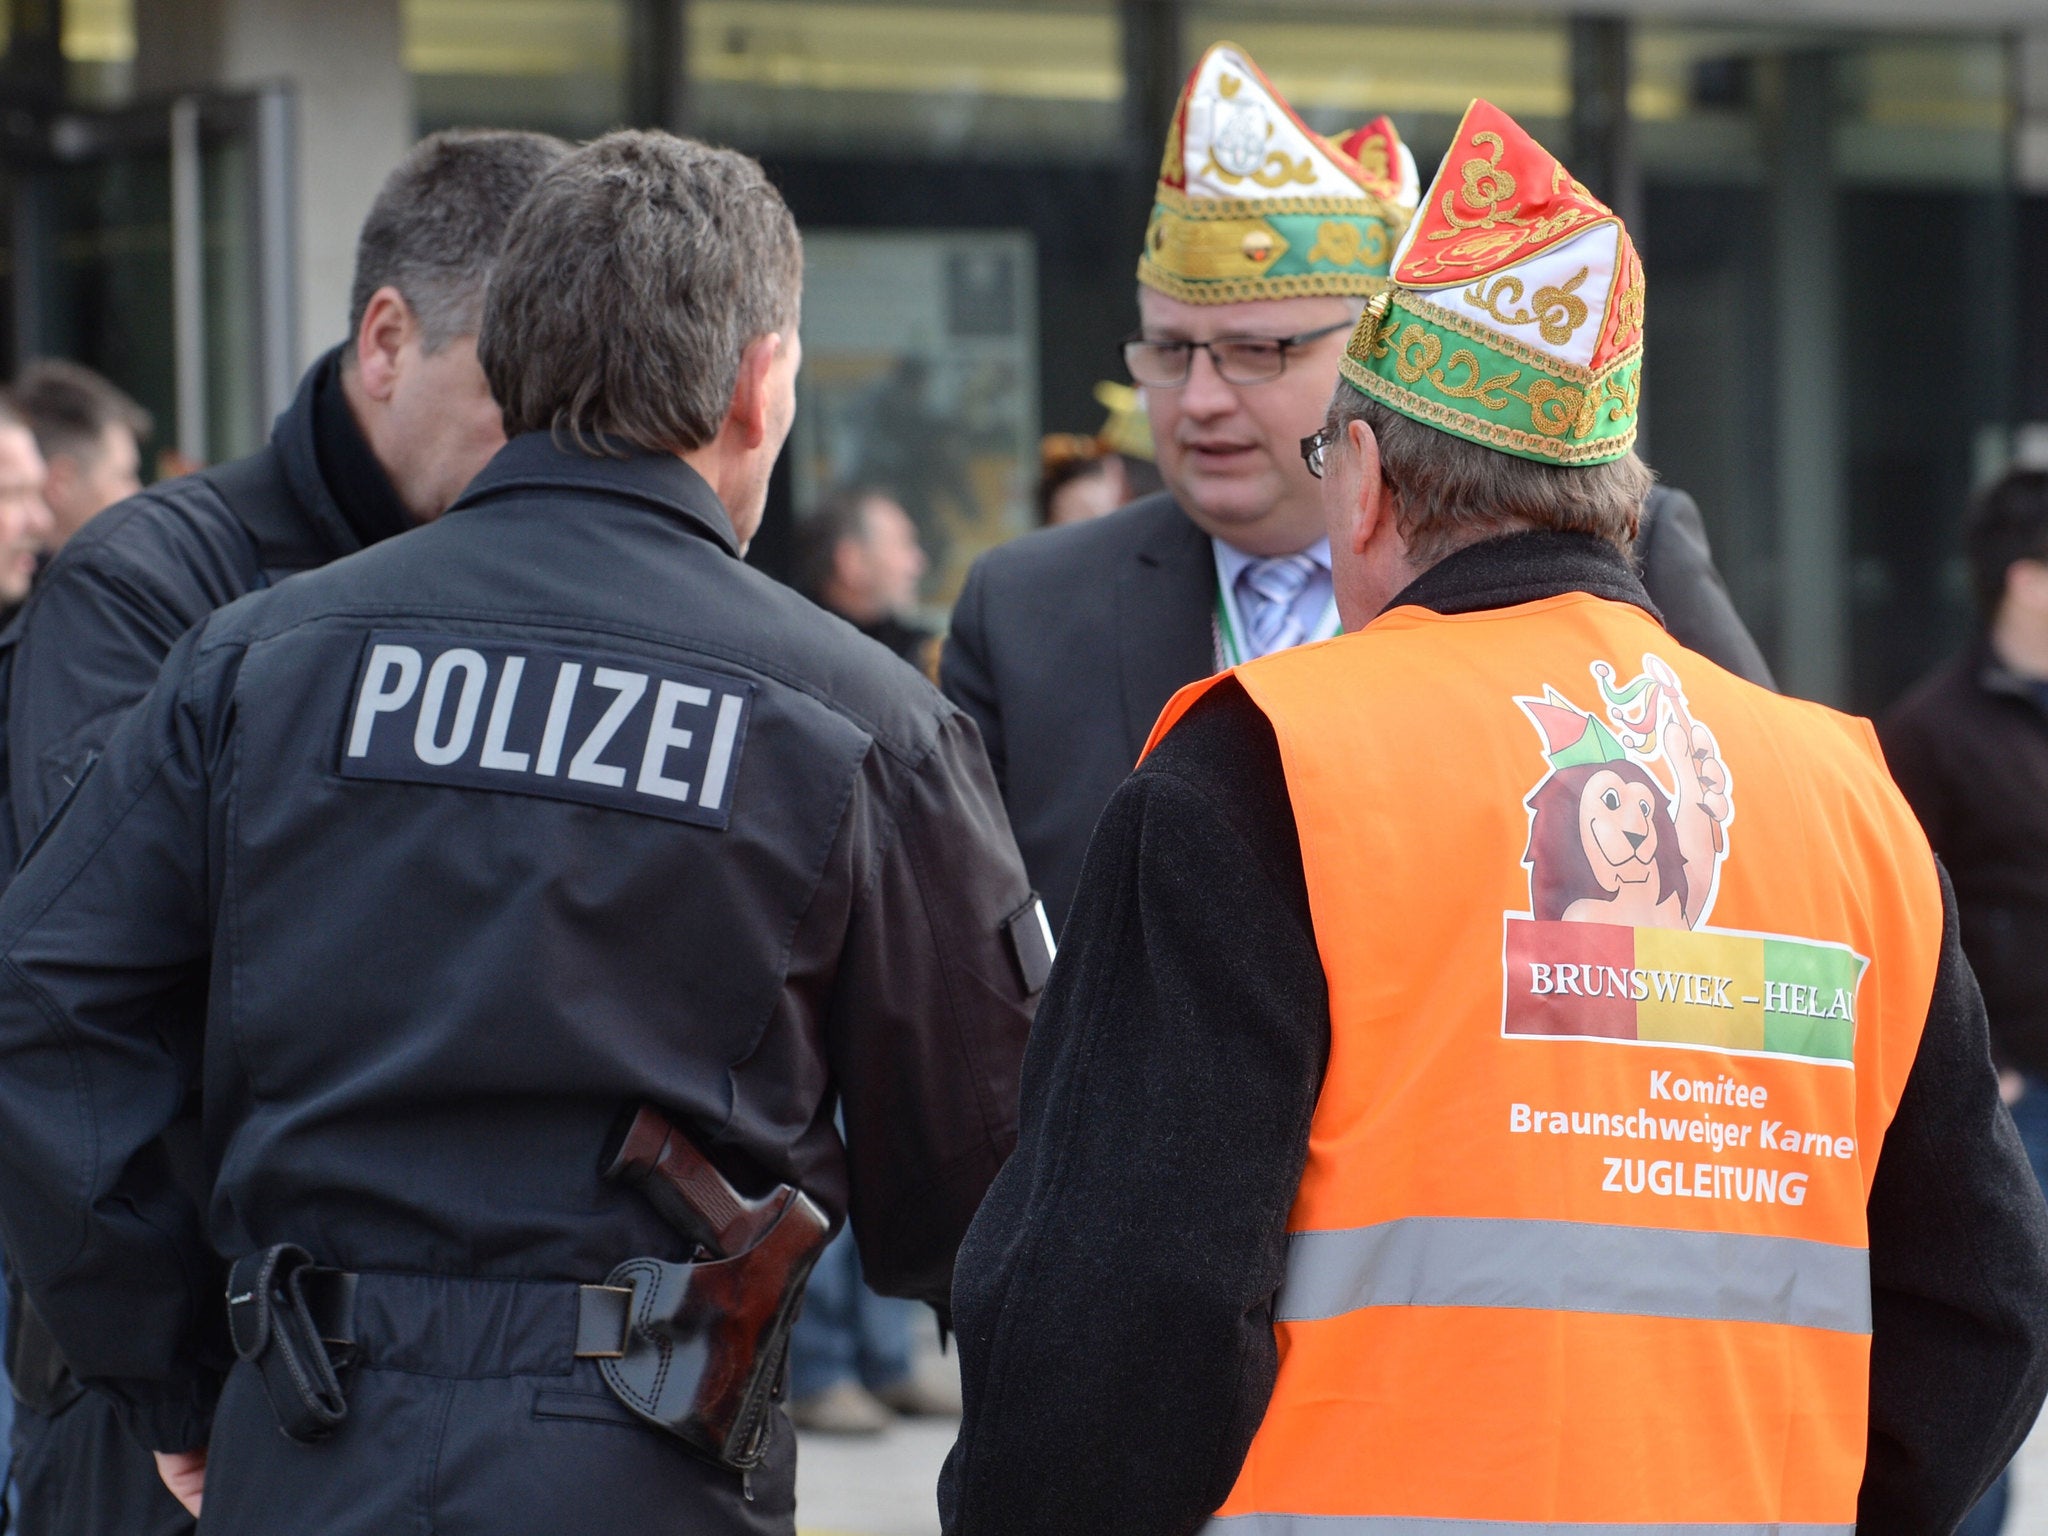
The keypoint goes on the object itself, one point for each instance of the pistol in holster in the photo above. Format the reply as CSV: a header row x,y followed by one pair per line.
x,y
705,1341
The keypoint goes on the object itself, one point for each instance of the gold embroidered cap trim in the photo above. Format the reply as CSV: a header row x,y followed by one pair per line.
x,y
1364,205
1237,290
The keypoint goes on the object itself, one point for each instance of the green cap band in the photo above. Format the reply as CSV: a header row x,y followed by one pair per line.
x,y
1218,252
1436,367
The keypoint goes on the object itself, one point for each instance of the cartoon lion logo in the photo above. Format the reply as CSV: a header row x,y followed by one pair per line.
x,y
1608,842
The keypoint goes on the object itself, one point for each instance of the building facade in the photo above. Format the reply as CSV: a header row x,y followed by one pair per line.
x,y
1842,207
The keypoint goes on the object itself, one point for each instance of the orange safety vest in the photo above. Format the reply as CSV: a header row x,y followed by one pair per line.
x,y
1628,961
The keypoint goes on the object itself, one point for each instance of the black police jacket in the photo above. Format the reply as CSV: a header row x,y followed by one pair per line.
x,y
87,646
426,864
131,581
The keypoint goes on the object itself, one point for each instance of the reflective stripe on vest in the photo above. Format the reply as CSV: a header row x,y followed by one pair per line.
x,y
1565,1266
1627,964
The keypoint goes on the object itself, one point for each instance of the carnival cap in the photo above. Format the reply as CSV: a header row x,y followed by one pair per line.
x,y
1515,318
1254,204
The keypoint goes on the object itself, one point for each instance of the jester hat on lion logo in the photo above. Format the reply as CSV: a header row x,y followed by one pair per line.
x,y
1515,319
1570,735
1254,204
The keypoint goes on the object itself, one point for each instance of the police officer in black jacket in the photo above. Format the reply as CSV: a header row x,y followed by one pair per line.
x,y
384,433
425,867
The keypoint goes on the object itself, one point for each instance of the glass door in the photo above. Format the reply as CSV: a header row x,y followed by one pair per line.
x,y
154,245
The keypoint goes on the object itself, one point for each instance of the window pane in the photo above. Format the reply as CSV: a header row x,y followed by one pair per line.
x,y
921,376
1925,112
1003,81
1907,190
98,38
1693,95
554,65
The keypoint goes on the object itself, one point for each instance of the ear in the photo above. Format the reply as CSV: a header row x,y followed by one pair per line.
x,y
1371,506
389,327
752,412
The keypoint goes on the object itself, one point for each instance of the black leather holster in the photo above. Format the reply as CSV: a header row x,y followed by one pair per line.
x,y
705,1342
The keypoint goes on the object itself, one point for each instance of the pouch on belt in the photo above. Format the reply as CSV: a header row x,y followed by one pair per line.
x,y
276,1299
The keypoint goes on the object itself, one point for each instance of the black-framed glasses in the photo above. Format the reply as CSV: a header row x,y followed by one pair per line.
x,y
1238,359
1315,445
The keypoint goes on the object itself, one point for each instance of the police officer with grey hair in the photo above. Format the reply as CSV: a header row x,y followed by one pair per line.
x,y
521,898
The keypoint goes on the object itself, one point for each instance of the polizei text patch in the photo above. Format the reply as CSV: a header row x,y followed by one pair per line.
x,y
623,732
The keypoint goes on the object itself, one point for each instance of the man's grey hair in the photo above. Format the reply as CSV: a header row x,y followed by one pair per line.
x,y
437,225
632,281
1449,493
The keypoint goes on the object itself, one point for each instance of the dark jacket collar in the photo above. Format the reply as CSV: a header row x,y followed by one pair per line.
x,y
1526,568
293,440
1995,677
349,468
535,461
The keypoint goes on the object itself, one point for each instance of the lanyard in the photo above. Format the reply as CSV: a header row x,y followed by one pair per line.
x,y
1228,627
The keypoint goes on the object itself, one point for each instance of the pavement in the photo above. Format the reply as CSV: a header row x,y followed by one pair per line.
x,y
883,1486
886,1484
879,1486
2029,1513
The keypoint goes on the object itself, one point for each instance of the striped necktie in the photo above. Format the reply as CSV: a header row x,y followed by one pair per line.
x,y
1275,586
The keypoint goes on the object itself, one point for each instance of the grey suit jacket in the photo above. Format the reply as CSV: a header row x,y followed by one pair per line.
x,y
1067,643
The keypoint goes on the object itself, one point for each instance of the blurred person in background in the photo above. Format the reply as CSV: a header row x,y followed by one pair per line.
x,y
91,436
858,555
25,525
1078,480
1081,478
852,1369
1969,746
386,430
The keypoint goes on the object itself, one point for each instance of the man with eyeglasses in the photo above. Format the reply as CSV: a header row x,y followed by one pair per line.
x,y
1264,244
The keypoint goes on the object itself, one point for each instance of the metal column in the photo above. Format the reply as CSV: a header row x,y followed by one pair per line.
x,y
277,260
1153,72
1602,153
188,280
658,64
1813,542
